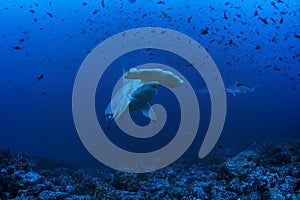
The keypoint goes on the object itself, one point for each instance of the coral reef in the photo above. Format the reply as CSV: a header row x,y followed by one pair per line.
x,y
262,171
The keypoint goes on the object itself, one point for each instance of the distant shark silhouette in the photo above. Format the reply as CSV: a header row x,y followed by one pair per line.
x,y
237,88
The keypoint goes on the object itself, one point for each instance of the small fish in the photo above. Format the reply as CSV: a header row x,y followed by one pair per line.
x,y
41,77
49,14
189,19
165,14
264,20
274,5
281,20
255,13
83,31
268,66
103,4
272,19
296,36
257,47
277,69
21,40
204,31
16,47
32,11
95,11
225,16
160,2
84,3
44,92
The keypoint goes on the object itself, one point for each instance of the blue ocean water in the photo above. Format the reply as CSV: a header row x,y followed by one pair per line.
x,y
43,44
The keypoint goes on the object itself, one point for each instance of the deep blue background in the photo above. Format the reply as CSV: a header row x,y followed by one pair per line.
x,y
36,116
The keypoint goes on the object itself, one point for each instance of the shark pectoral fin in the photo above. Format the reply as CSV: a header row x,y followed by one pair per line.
x,y
232,93
229,91
149,112
254,88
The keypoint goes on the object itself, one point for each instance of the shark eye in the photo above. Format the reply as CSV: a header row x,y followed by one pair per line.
x,y
109,116
154,86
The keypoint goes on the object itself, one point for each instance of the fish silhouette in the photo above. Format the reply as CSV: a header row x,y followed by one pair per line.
x,y
239,88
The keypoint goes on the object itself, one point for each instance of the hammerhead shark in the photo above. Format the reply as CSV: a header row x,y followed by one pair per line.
x,y
137,101
236,88
239,88
139,87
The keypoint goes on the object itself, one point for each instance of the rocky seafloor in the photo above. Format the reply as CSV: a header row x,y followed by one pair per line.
x,y
261,171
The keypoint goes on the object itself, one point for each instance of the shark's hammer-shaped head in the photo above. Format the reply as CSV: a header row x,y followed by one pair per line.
x,y
145,93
